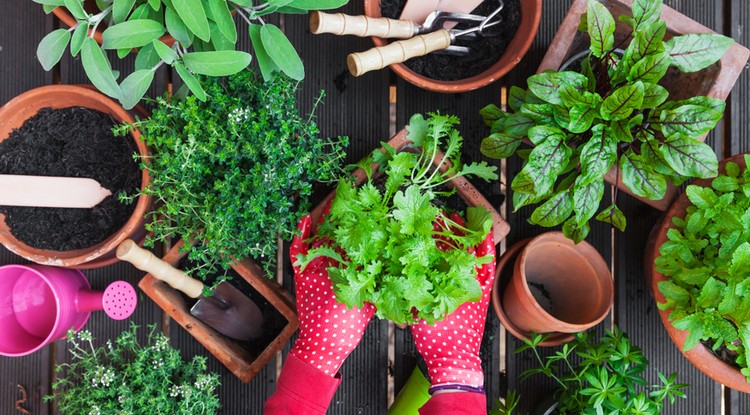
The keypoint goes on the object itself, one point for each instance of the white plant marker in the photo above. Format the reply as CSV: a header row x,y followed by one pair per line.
x,y
418,10
45,191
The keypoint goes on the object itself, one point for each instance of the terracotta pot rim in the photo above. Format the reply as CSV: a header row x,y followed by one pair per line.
x,y
93,253
531,13
699,356
498,289
64,15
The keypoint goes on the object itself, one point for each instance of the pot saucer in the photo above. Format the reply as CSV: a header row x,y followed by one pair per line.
x,y
503,274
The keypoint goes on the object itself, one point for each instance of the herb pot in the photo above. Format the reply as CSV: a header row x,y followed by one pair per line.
x,y
531,12
699,356
412,396
557,286
14,114
715,81
235,356
41,303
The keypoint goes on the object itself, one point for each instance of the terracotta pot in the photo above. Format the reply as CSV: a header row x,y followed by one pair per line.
x,y
90,6
700,356
531,13
236,357
558,286
14,114
715,81
464,188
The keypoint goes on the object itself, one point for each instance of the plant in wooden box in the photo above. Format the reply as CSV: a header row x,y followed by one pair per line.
x,y
597,377
127,377
385,229
700,274
610,113
206,26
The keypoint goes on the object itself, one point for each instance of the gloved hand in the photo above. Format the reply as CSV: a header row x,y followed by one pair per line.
x,y
451,347
328,330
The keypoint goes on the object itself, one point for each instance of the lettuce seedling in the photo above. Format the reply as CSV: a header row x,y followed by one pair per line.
x,y
384,232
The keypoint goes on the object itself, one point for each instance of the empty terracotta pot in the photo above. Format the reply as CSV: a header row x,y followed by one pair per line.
x,y
531,13
558,286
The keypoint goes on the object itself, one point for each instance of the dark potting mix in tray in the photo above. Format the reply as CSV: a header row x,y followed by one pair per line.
x,y
70,142
484,51
273,321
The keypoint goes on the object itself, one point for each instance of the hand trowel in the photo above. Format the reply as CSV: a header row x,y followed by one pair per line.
x,y
46,191
227,310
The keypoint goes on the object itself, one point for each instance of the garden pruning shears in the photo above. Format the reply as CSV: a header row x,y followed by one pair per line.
x,y
419,39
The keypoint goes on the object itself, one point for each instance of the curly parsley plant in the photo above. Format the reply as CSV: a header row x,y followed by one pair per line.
x,y
234,172
385,229
610,113
707,260
130,378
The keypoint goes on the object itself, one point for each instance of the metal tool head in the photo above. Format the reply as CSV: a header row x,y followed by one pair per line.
x,y
437,19
230,312
491,20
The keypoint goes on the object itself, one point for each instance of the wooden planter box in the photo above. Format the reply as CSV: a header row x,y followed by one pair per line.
x,y
715,81
240,361
464,188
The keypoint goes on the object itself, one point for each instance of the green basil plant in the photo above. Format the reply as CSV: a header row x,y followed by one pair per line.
x,y
204,33
610,112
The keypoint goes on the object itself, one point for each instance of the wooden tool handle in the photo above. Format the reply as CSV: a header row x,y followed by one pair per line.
x,y
397,52
344,24
145,260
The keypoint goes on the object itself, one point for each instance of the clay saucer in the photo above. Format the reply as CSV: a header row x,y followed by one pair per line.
x,y
503,274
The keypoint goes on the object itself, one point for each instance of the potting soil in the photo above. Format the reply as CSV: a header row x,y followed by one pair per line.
x,y
70,142
484,51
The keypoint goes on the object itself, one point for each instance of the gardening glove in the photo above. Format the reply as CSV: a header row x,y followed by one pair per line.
x,y
451,346
328,330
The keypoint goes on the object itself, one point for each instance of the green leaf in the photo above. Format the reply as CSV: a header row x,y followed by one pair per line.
x,y
155,4
640,178
650,69
623,102
191,81
601,29
646,11
317,4
554,211
518,124
167,54
98,69
51,48
176,27
75,7
598,155
223,18
281,52
413,210
79,35
491,114
586,199
121,9
740,265
478,219
134,87
266,64
653,96
546,162
689,157
542,133
217,63
693,52
132,34
193,14
674,292
614,216
547,85
574,232
687,120
500,145
516,98
147,58
540,113
572,96
581,119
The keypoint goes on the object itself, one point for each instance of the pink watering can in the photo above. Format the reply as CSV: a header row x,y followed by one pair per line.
x,y
39,304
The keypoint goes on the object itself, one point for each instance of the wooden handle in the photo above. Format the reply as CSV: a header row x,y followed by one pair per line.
x,y
145,260
397,52
343,24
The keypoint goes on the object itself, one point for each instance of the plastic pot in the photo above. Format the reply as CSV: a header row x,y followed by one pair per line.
x,y
556,287
13,114
412,396
531,13
699,356
39,304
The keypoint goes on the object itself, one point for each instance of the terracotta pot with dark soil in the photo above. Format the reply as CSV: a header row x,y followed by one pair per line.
x,y
715,81
490,59
243,359
699,356
65,130
555,287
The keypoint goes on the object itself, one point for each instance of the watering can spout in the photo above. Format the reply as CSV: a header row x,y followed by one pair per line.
x,y
118,300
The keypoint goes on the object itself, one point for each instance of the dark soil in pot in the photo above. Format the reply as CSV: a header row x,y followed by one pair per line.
x,y
723,353
542,296
70,142
484,51
273,321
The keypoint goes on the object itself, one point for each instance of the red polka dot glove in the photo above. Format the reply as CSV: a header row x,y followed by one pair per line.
x,y
451,347
328,330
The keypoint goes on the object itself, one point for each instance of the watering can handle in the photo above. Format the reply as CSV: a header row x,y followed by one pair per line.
x,y
145,260
362,26
397,52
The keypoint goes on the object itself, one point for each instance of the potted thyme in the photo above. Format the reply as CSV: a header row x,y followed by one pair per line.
x,y
608,116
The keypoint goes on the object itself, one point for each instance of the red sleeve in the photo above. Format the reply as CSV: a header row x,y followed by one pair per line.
x,y
301,390
457,403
